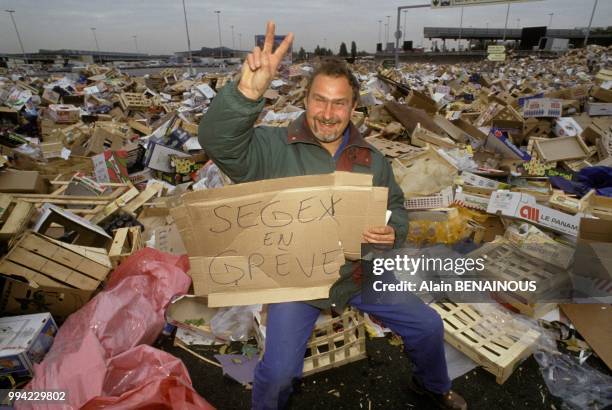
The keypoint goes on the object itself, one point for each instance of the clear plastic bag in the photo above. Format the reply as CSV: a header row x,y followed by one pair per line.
x,y
234,323
579,386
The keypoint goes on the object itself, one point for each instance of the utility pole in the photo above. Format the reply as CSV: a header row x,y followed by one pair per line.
x,y
188,40
233,41
550,20
11,12
387,31
405,12
460,29
93,30
586,36
380,31
506,25
397,34
218,12
136,43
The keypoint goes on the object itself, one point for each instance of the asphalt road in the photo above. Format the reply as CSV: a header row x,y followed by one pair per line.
x,y
378,382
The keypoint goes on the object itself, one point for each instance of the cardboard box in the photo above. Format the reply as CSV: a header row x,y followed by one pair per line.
x,y
523,206
536,243
25,340
594,322
593,258
18,297
111,166
192,313
602,94
45,261
567,127
593,108
542,107
88,234
158,157
64,113
500,142
23,182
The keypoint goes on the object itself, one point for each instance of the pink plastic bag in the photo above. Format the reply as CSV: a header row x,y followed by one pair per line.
x,y
96,344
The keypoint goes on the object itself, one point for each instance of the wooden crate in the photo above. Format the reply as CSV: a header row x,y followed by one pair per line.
x,y
44,261
497,345
506,262
133,101
334,342
14,216
126,242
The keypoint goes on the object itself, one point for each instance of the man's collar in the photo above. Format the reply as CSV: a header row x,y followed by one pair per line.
x,y
299,131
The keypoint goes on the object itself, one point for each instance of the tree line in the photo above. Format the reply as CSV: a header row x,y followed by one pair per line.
x,y
322,51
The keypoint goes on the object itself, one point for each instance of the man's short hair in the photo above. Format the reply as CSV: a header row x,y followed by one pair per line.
x,y
334,67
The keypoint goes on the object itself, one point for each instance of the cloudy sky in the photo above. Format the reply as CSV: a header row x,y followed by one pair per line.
x,y
160,28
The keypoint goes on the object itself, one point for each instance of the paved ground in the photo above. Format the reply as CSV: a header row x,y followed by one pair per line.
x,y
378,382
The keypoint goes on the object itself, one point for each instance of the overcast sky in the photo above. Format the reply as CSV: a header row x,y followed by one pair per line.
x,y
160,27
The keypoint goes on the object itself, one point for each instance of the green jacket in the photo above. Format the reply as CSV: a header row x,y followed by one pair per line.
x,y
246,153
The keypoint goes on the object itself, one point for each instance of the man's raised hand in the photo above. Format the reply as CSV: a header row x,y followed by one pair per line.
x,y
260,66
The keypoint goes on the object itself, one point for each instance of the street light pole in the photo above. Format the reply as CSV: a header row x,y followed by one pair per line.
x,y
405,12
93,30
188,40
218,12
550,20
506,25
460,29
10,12
387,31
233,41
136,43
586,37
380,31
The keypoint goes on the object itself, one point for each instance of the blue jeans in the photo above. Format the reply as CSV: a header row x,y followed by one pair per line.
x,y
290,325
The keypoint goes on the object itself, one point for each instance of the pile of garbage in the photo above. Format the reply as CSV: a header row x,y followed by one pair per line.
x,y
513,157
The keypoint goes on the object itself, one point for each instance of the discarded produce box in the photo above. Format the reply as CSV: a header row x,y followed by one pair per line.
x,y
25,341
499,347
126,242
18,296
64,114
18,181
45,261
14,216
111,166
542,107
506,262
192,313
87,233
335,341
524,206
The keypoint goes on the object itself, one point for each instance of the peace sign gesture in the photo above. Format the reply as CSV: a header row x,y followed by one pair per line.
x,y
260,66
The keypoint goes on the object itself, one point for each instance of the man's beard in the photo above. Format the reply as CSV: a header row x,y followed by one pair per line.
x,y
325,137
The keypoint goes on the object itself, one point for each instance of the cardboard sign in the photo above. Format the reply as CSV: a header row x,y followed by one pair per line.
x,y
524,206
542,107
276,240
